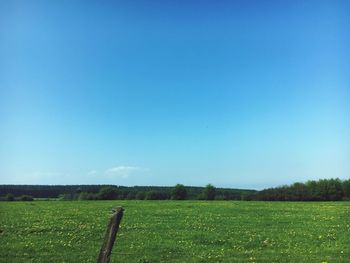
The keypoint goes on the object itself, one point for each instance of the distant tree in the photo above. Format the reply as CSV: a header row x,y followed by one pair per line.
x,y
247,197
330,189
67,197
179,192
108,193
200,196
124,194
156,195
87,196
151,195
220,197
335,190
300,192
312,190
72,192
78,191
321,190
140,195
9,197
209,192
83,196
25,198
346,189
131,196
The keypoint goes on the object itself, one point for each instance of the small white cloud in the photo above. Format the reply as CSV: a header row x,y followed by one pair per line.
x,y
123,171
92,172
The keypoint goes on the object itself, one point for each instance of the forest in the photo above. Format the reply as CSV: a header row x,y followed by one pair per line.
x,y
321,190
111,192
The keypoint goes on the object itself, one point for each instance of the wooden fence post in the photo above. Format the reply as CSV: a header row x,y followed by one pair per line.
x,y
112,229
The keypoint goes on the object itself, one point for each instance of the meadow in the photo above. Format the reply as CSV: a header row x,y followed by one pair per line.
x,y
177,231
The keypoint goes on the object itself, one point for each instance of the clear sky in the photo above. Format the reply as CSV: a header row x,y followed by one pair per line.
x,y
247,94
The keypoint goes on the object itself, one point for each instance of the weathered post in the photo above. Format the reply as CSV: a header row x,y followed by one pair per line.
x,y
112,229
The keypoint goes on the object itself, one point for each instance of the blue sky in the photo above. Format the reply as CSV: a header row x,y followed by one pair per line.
x,y
247,94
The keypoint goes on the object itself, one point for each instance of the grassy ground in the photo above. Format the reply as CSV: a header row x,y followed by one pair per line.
x,y
176,231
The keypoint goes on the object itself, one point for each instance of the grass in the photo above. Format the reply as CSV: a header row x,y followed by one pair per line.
x,y
177,231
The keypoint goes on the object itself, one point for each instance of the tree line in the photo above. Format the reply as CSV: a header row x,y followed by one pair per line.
x,y
179,192
103,192
321,190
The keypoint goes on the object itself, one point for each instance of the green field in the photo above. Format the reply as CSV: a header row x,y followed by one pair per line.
x,y
177,231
